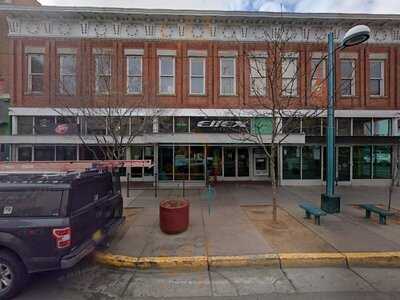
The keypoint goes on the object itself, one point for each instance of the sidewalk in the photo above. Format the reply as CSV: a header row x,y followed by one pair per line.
x,y
240,225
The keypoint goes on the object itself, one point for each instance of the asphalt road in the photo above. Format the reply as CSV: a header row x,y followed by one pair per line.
x,y
88,281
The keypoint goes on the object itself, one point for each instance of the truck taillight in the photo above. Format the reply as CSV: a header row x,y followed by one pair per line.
x,y
63,237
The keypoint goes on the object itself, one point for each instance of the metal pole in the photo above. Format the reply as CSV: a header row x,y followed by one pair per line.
x,y
329,201
330,136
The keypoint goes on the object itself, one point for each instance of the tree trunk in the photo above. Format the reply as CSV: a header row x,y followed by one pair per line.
x,y
274,184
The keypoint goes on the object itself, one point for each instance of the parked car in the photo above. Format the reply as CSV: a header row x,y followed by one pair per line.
x,y
52,221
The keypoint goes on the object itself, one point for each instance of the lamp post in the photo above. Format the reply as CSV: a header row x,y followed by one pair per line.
x,y
356,35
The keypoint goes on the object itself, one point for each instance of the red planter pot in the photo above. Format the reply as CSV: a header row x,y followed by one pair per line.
x,y
174,216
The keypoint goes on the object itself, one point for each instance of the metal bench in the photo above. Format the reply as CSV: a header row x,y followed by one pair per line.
x,y
311,209
383,213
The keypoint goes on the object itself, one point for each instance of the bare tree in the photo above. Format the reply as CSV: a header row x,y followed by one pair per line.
x,y
276,107
111,123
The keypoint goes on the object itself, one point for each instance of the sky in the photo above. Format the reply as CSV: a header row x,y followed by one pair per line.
x,y
334,6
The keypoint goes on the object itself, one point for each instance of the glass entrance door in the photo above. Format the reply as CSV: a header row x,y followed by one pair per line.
x,y
343,163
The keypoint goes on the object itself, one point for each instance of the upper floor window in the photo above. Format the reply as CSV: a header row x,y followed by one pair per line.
x,y
67,83
347,82
167,75
35,73
317,76
376,77
289,75
103,74
197,84
227,76
258,76
134,74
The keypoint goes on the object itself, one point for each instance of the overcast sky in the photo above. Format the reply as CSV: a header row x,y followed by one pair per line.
x,y
361,6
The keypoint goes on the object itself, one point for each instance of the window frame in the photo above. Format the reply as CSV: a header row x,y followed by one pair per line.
x,y
352,78
284,92
108,74
61,91
233,76
321,63
381,79
173,75
31,74
258,76
128,75
191,76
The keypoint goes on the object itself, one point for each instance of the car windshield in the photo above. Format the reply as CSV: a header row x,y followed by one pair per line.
x,y
30,203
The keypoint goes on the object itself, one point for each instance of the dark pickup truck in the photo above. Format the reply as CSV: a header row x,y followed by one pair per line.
x,y
52,221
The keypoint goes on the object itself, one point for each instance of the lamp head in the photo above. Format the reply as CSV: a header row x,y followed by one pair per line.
x,y
356,35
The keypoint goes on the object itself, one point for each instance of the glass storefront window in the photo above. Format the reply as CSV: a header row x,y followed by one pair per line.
x,y
165,124
291,125
141,125
343,126
44,125
96,126
383,127
92,152
118,126
66,126
291,162
362,127
181,124
65,152
181,162
165,162
44,153
136,154
229,162
25,125
24,153
382,162
243,162
362,158
148,153
196,163
312,126
214,161
311,165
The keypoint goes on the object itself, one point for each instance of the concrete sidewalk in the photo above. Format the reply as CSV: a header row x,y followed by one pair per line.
x,y
240,226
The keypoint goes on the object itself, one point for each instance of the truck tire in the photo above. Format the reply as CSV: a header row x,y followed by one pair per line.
x,y
13,275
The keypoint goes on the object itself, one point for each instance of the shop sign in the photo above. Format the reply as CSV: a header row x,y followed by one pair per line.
x,y
227,125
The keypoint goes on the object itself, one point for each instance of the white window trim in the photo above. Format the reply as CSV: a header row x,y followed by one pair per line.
x,y
322,65
107,74
381,79
233,58
258,76
353,77
284,92
30,74
61,75
135,75
203,92
169,76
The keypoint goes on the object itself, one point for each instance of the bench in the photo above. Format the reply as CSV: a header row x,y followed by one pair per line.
x,y
311,209
383,213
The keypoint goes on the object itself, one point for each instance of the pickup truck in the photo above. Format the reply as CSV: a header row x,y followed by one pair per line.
x,y
52,221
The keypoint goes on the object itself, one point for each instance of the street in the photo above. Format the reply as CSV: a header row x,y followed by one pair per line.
x,y
89,281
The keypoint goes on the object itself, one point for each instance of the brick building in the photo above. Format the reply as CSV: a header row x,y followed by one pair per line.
x,y
193,68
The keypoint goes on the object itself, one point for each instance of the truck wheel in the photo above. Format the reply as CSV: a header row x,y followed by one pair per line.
x,y
13,275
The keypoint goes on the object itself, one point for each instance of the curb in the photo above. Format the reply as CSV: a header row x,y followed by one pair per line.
x,y
282,260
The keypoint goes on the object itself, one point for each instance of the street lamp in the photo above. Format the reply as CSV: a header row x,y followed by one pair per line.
x,y
354,36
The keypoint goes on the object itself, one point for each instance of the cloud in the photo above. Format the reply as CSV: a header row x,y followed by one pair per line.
x,y
334,6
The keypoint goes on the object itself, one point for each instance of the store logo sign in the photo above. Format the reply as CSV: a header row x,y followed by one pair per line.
x,y
222,124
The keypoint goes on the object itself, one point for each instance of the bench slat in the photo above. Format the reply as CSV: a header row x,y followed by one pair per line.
x,y
377,210
312,209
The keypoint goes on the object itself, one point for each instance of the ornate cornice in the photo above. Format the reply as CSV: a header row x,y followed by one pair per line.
x,y
162,27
